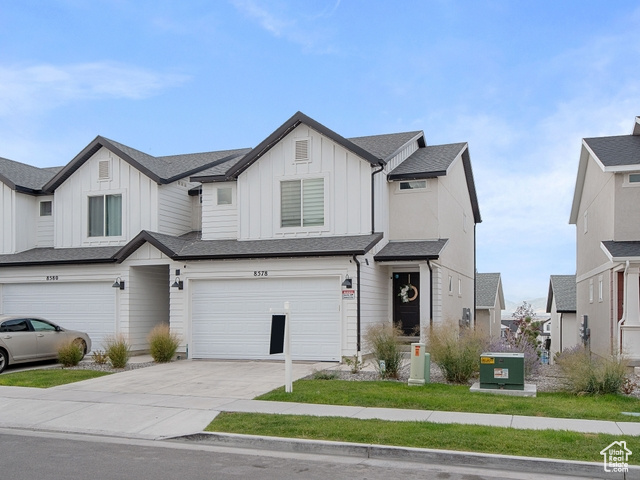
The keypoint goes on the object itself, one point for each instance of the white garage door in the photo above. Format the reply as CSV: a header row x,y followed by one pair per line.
x,y
85,306
232,318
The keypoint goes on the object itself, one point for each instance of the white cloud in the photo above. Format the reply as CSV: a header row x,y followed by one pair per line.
x,y
33,88
300,27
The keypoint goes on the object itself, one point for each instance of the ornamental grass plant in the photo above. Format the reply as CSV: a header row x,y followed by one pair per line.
x,y
163,343
70,354
382,340
589,374
456,351
118,350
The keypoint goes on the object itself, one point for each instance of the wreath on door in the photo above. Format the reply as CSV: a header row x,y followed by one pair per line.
x,y
404,294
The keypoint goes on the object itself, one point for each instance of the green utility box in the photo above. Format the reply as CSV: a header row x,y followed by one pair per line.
x,y
502,370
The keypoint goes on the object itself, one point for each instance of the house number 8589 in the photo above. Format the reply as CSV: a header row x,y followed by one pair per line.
x,y
260,273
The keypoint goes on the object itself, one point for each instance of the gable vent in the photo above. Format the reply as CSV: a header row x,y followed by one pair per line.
x,y
302,150
104,170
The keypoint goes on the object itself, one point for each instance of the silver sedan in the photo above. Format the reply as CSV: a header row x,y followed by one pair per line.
x,y
31,339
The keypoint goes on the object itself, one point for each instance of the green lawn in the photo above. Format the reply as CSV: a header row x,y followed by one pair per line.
x,y
454,398
470,438
47,378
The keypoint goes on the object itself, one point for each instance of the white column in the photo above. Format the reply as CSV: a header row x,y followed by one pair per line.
x,y
425,300
632,297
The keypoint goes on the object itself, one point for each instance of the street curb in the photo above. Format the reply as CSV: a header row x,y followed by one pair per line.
x,y
418,455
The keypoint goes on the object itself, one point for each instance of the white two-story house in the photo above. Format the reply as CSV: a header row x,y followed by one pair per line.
x,y
606,213
350,232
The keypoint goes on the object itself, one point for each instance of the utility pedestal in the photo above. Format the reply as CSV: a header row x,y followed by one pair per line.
x,y
416,376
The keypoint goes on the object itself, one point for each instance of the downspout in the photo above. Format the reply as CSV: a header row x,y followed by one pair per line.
x,y
430,295
475,275
358,342
624,308
373,202
560,339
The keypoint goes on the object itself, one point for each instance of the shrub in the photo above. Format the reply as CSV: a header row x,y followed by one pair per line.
x,y
589,374
163,343
355,364
518,345
325,375
456,352
382,340
70,354
100,357
118,350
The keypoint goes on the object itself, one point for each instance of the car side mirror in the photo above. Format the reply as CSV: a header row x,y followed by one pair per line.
x,y
58,329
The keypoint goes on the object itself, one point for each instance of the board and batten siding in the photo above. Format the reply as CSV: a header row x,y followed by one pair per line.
x,y
175,208
219,222
25,222
347,188
139,202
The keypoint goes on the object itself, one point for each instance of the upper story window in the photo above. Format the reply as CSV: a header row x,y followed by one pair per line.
x,y
46,208
633,179
225,196
413,185
105,216
302,203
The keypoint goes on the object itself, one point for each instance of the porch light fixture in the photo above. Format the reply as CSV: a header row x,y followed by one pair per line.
x,y
179,284
119,283
348,283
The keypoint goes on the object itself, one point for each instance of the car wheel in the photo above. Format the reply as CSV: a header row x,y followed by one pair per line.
x,y
82,344
4,360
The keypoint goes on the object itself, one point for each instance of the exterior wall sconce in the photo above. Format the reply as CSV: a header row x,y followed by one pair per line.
x,y
119,283
348,283
179,284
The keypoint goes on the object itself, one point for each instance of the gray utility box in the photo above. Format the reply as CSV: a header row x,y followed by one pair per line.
x,y
501,370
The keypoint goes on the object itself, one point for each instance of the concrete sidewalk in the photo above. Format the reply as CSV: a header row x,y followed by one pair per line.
x,y
181,398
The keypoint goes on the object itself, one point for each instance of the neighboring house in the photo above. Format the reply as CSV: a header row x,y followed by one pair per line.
x,y
489,304
606,212
561,304
351,232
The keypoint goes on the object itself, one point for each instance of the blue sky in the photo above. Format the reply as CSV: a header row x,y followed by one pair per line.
x,y
522,82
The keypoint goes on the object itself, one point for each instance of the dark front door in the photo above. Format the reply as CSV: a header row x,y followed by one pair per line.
x,y
406,302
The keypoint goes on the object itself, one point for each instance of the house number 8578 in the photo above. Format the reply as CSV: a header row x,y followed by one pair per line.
x,y
260,273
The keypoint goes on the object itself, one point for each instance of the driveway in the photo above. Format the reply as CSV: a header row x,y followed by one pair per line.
x,y
160,401
240,379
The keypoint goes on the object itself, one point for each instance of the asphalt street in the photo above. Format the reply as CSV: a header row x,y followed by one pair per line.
x,y
27,455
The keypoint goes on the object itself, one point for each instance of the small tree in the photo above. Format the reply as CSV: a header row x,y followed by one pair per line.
x,y
527,329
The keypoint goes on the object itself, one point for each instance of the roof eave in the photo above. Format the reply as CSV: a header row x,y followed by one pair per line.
x,y
417,176
139,240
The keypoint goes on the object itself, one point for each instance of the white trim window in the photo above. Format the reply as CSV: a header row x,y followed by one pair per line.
x,y
600,289
105,216
412,185
591,290
46,208
302,203
450,285
224,196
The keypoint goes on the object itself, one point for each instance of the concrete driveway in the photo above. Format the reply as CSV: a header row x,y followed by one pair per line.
x,y
240,379
160,401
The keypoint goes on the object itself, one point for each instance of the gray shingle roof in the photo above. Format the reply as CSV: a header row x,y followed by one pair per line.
x,y
56,256
563,288
622,250
616,151
217,172
430,161
192,247
487,289
385,146
25,177
411,250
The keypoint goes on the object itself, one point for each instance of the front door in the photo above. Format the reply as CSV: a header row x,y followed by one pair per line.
x,y
406,302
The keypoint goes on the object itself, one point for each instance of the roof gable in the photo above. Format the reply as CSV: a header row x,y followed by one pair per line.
x,y
161,170
286,128
563,288
488,289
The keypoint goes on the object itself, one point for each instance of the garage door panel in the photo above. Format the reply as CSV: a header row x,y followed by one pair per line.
x,y
84,306
232,318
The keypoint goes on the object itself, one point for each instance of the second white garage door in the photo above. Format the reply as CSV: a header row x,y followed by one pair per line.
x,y
232,318
85,306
